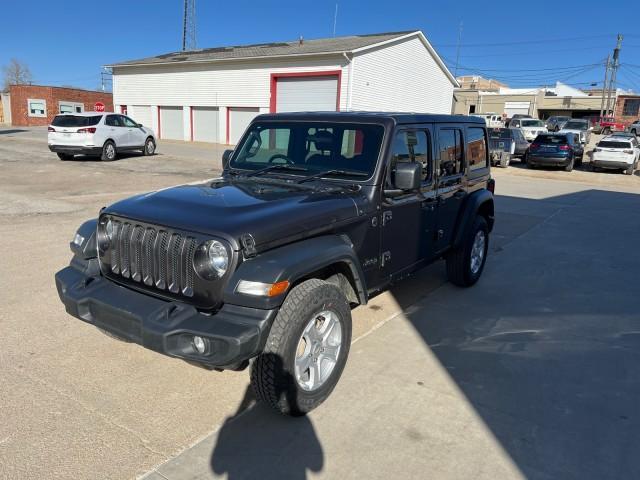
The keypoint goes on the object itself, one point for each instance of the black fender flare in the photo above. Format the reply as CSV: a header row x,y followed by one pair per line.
x,y
478,201
291,263
88,249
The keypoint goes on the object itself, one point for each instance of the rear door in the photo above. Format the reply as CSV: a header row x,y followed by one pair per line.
x,y
404,236
450,189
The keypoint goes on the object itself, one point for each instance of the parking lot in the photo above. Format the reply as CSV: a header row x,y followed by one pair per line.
x,y
530,374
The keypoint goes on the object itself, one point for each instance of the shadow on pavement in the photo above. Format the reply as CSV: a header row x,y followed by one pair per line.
x,y
263,444
11,131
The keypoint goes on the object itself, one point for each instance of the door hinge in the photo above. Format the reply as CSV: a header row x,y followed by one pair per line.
x,y
386,258
386,217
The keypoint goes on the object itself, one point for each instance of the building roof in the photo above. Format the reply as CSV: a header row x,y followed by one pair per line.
x,y
334,45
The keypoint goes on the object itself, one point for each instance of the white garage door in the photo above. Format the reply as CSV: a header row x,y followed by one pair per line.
x,y
511,108
306,94
205,124
141,114
171,123
239,119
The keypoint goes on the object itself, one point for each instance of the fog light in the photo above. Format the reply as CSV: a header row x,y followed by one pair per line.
x,y
200,344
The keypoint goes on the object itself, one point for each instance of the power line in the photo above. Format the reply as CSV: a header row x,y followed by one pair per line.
x,y
525,42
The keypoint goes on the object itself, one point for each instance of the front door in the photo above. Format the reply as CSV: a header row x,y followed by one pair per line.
x,y
450,191
135,136
116,130
403,237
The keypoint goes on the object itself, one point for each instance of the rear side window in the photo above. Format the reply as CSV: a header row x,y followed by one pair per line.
x,y
113,121
613,144
476,148
450,148
75,120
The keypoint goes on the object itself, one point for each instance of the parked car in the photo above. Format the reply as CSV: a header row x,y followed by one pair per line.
x,y
313,213
492,120
555,150
101,134
530,127
516,117
580,127
556,123
635,128
505,144
627,135
618,153
606,125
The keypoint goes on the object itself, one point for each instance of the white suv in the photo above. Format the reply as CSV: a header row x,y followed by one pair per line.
x,y
97,133
530,127
616,152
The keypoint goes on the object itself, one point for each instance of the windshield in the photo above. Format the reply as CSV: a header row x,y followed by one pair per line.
x,y
75,120
532,123
613,144
576,125
312,147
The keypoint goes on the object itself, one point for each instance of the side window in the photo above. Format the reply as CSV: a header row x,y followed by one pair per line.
x,y
412,146
112,121
450,153
128,122
476,148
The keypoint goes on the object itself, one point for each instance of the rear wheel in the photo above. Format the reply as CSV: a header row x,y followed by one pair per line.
x,y
65,156
629,171
465,264
109,151
306,350
149,147
569,166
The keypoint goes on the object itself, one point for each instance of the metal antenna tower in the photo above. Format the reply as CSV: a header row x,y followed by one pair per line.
x,y
189,26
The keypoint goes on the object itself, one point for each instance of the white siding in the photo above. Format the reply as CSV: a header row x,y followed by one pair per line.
x,y
401,76
238,84
141,114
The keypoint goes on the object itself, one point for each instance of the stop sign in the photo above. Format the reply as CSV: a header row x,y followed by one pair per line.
x,y
99,107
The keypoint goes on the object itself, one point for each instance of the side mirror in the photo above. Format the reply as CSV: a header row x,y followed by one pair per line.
x,y
140,125
408,176
226,156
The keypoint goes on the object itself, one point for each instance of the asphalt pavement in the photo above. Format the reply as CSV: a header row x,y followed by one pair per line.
x,y
532,373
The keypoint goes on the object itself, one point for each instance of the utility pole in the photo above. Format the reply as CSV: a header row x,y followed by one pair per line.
x,y
614,70
604,85
455,71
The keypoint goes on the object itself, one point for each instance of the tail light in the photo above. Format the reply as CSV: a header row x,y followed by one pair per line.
x,y
628,150
87,130
534,146
51,129
491,185
564,148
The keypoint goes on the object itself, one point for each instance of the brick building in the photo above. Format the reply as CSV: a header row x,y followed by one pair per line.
x,y
33,105
627,108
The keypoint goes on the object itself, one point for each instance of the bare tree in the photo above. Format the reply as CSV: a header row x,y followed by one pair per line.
x,y
16,73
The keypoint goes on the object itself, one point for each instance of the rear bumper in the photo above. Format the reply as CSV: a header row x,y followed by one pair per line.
x,y
610,164
75,149
233,334
548,161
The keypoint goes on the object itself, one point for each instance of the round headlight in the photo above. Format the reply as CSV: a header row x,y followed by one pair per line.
x,y
218,257
105,235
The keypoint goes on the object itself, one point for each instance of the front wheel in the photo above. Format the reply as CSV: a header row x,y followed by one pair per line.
x,y
306,350
466,263
149,147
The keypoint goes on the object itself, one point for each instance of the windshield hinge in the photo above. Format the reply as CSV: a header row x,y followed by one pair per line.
x,y
249,245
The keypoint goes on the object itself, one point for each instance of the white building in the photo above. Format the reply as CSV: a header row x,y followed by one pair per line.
x,y
212,94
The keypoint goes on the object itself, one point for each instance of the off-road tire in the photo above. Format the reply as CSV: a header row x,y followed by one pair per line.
x,y
108,155
569,167
459,260
65,156
273,372
146,150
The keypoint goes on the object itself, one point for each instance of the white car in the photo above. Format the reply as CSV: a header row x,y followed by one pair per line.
x,y
530,127
579,127
98,133
616,153
491,119
635,128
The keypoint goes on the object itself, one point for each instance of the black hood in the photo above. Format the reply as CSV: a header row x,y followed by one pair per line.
x,y
271,211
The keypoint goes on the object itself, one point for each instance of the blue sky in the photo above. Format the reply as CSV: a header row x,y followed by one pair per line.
x,y
67,42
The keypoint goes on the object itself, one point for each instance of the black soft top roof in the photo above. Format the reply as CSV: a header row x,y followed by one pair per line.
x,y
369,117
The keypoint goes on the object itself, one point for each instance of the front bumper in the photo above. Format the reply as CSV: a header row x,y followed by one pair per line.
x,y
614,165
233,334
75,149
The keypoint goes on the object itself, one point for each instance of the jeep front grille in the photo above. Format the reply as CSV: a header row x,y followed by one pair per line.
x,y
154,256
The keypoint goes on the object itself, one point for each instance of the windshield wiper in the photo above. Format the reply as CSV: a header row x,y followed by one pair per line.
x,y
260,171
326,173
